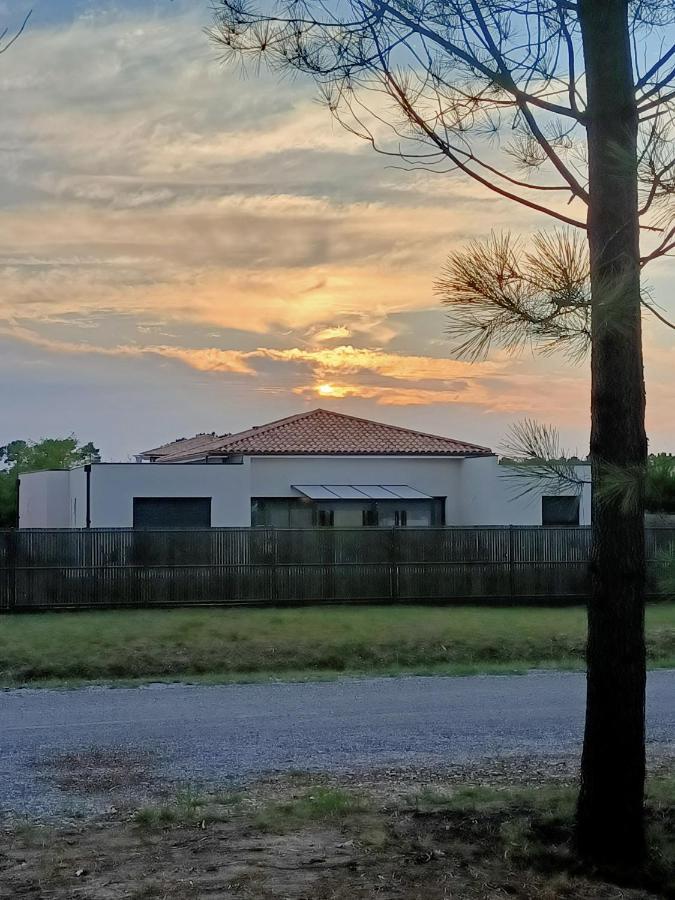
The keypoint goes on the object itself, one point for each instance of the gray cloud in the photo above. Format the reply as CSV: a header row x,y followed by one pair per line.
x,y
163,211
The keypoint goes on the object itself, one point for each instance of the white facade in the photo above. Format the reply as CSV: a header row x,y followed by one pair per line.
x,y
44,500
490,497
475,489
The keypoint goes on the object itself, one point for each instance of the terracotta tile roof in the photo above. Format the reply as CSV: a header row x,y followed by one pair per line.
x,y
323,432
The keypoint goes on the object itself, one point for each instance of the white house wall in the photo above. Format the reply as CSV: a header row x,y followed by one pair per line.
x,y
476,489
490,497
273,476
114,486
44,500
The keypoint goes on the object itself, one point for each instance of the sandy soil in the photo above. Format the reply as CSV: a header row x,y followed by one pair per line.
x,y
397,835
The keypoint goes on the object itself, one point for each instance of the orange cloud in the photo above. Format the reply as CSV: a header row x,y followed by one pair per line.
x,y
517,396
391,396
206,360
332,333
350,360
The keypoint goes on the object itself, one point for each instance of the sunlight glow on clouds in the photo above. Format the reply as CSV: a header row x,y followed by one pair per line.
x,y
344,372
157,210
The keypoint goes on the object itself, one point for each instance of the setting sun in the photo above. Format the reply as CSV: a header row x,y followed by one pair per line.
x,y
326,390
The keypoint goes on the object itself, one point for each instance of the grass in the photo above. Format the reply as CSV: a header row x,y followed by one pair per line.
x,y
534,823
187,808
327,805
259,644
322,804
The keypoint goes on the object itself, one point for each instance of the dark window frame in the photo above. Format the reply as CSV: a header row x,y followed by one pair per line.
x,y
548,519
325,518
400,518
143,522
258,509
370,517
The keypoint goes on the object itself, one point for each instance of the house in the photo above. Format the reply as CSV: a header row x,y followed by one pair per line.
x,y
318,468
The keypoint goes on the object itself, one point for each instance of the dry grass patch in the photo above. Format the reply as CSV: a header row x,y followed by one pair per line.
x,y
98,771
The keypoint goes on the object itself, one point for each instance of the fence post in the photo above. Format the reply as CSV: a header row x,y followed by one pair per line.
x,y
511,583
394,563
8,596
275,566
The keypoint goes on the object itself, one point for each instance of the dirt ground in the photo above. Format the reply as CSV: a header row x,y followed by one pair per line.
x,y
502,831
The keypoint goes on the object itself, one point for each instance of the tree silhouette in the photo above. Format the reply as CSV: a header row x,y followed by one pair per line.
x,y
564,107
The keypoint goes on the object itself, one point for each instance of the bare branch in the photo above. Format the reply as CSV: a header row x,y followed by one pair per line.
x,y
17,34
658,315
666,245
494,76
659,64
522,101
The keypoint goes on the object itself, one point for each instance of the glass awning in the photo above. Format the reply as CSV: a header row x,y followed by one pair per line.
x,y
360,492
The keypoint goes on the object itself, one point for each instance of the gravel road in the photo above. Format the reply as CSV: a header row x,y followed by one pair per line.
x,y
83,750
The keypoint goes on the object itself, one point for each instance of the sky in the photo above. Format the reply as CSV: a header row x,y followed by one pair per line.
x,y
185,248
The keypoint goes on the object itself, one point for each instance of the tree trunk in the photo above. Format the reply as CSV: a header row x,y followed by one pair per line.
x,y
610,815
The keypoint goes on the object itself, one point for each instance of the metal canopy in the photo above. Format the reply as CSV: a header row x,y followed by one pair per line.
x,y
405,492
377,492
346,491
315,491
360,492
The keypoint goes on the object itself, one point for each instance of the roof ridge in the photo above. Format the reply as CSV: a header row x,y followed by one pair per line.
x,y
287,420
427,434
246,442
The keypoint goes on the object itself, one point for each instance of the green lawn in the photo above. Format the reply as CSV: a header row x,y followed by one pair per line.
x,y
238,644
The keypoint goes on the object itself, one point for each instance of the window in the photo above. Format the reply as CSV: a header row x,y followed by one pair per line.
x,y
281,512
369,516
172,512
296,512
325,518
411,513
559,511
345,515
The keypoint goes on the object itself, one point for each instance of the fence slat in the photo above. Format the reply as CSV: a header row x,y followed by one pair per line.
x,y
106,568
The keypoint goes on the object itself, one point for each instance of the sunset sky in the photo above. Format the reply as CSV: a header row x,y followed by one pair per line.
x,y
187,250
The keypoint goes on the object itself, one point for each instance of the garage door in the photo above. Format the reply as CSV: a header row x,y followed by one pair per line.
x,y
172,512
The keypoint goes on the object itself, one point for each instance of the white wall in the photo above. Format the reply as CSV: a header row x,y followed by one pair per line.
x,y
44,500
273,476
489,497
477,491
114,486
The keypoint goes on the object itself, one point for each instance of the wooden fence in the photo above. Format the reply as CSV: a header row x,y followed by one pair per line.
x,y
98,568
